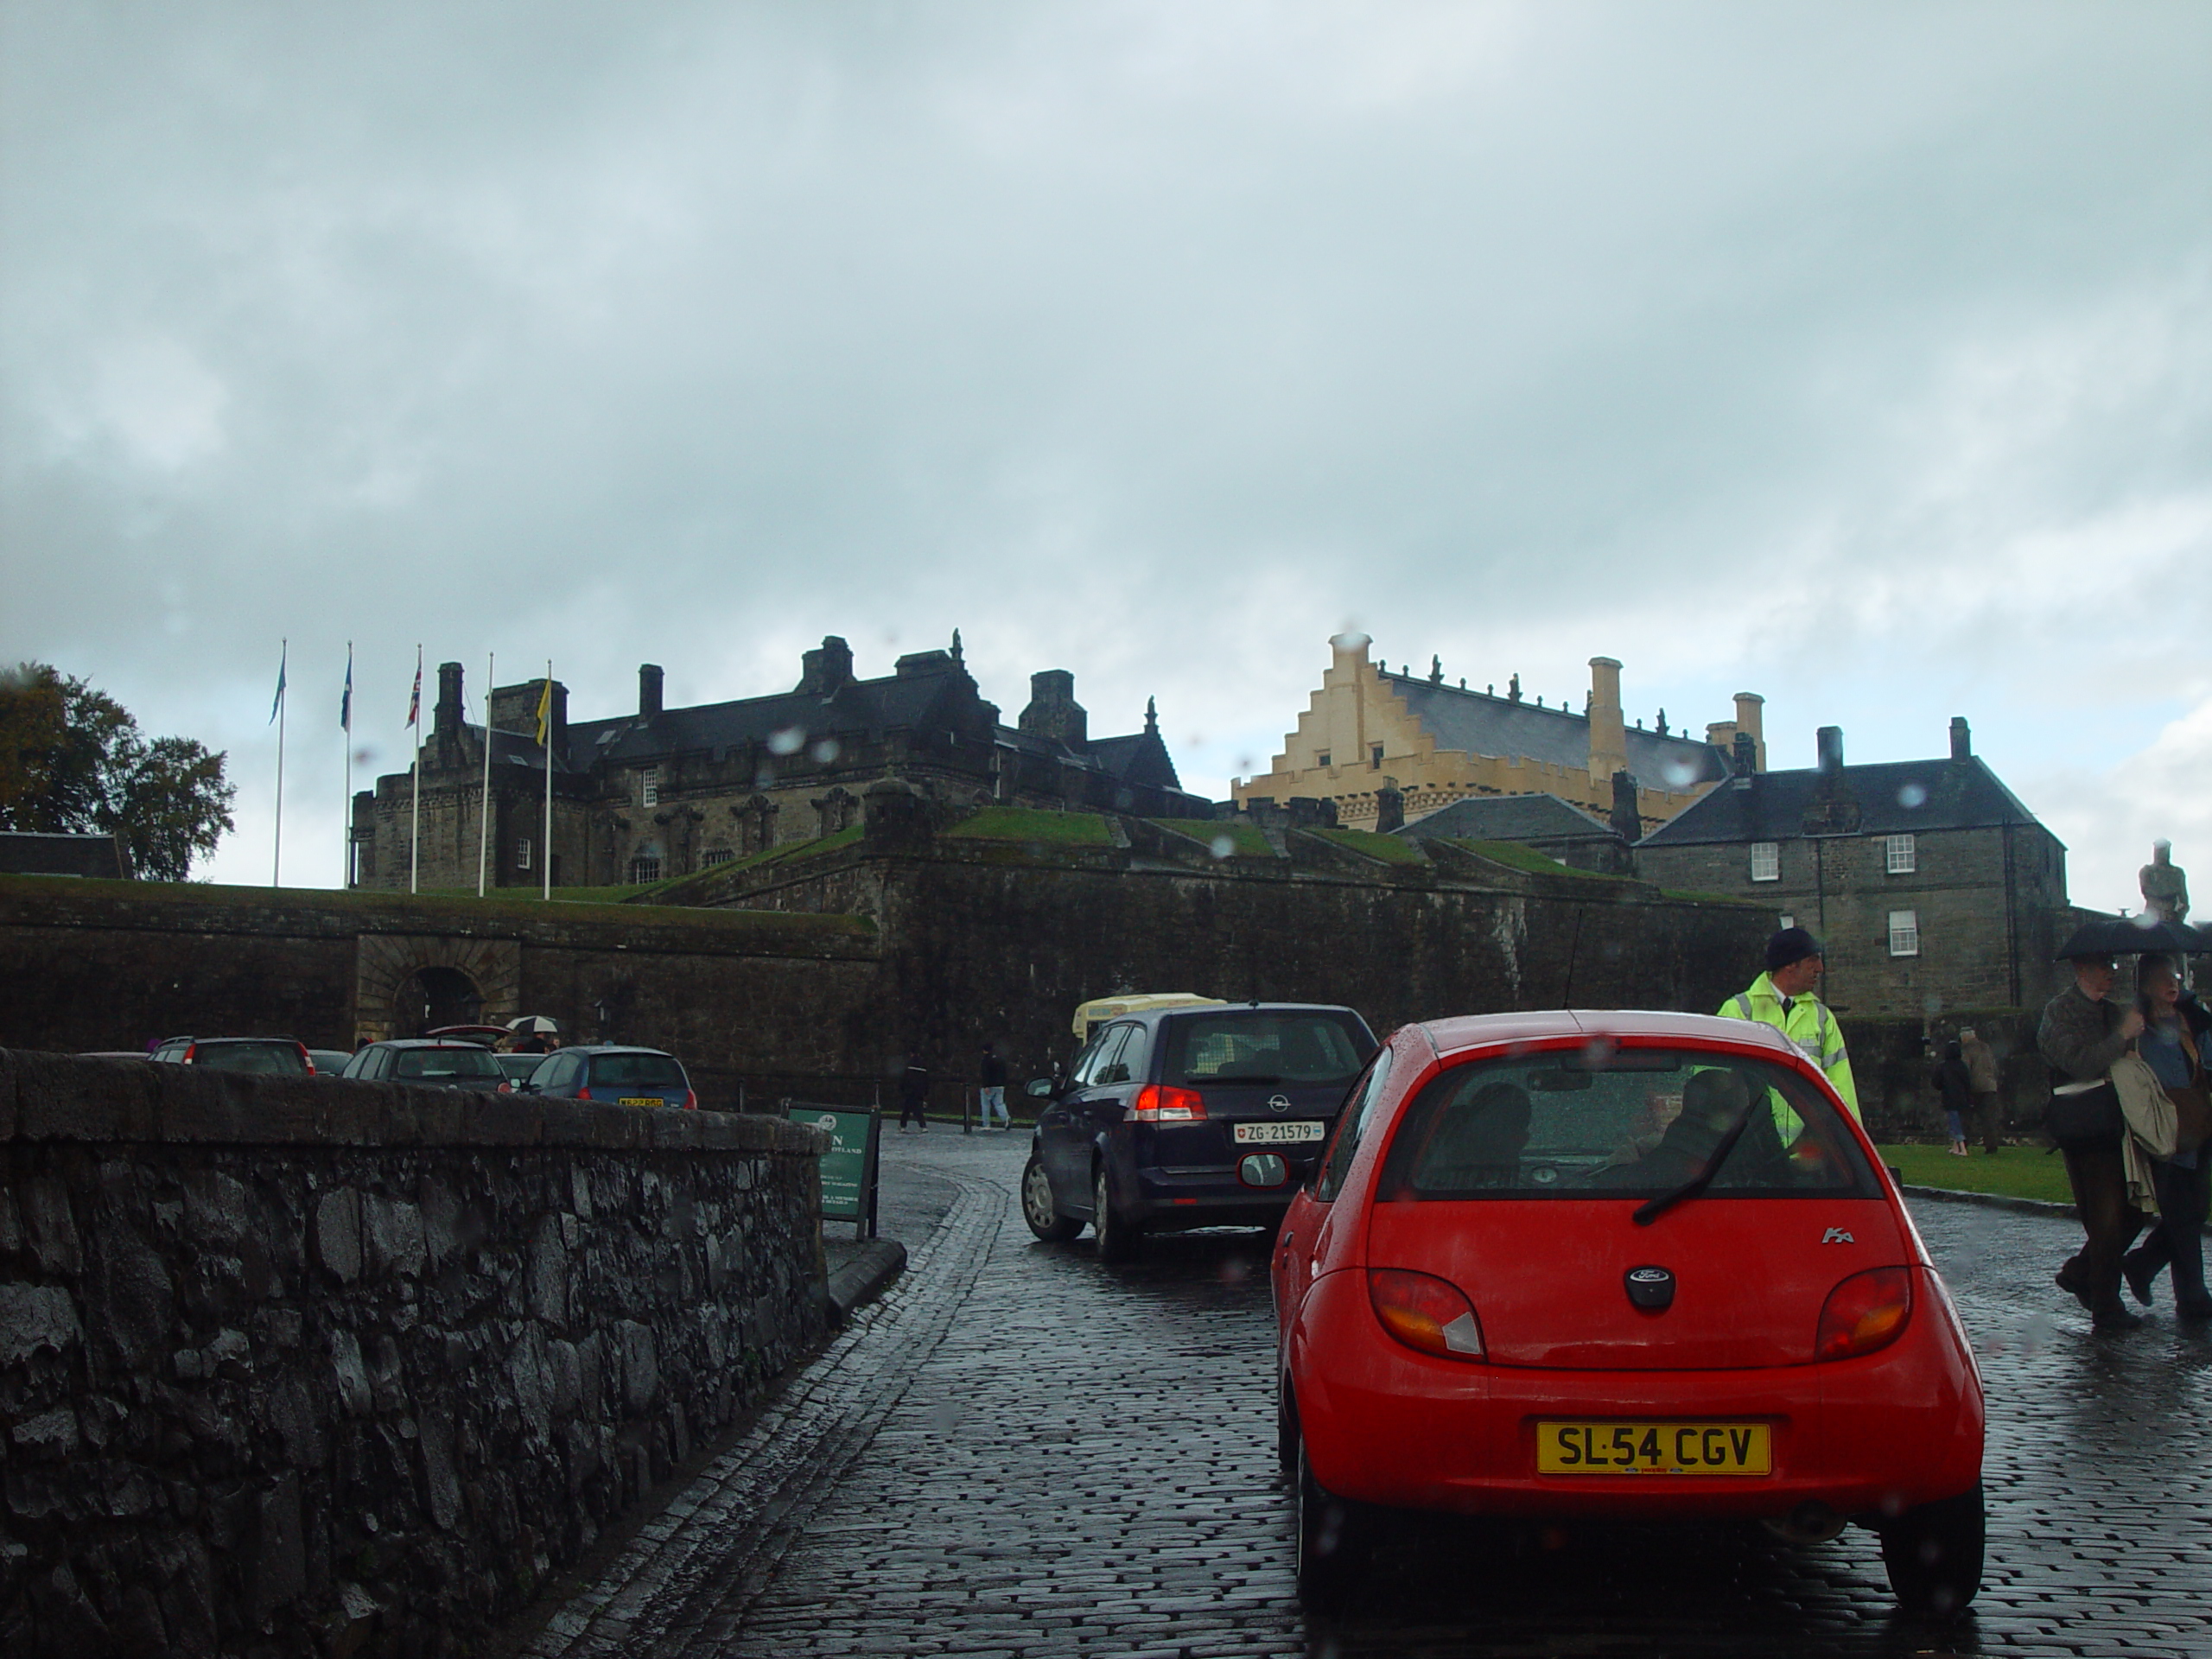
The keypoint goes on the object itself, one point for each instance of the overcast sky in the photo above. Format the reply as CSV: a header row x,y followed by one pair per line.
x,y
1856,354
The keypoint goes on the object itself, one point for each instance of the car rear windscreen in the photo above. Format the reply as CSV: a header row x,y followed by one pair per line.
x,y
441,1065
651,1074
1259,1047
262,1060
1635,1122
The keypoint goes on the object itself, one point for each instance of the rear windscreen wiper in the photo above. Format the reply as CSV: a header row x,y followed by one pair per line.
x,y
1651,1209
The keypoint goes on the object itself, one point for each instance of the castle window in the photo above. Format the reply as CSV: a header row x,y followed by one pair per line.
x,y
649,786
644,869
1322,759
1375,757
1904,932
1766,860
522,853
714,855
1899,856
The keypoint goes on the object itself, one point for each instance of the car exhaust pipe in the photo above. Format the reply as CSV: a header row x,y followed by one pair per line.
x,y
1810,1523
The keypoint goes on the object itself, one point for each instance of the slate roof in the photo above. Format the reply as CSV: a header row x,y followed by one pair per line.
x,y
1479,723
32,852
1506,817
927,701
1893,797
1140,757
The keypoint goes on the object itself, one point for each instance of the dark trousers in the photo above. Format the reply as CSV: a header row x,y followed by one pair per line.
x,y
2177,1238
2111,1222
1986,1119
911,1107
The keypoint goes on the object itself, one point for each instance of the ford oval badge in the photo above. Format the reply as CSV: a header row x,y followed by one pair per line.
x,y
1651,1288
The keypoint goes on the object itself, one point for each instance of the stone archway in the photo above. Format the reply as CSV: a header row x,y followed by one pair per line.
x,y
399,979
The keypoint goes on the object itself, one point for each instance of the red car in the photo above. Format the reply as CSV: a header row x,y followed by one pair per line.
x,y
1622,1265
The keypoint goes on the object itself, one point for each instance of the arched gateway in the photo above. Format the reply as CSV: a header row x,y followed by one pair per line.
x,y
404,985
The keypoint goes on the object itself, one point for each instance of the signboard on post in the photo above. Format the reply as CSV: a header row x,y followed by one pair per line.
x,y
848,1168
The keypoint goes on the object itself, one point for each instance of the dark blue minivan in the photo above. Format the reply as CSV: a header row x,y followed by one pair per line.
x,y
1145,1132
615,1075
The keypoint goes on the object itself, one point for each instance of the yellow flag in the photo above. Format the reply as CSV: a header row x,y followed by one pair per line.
x,y
545,711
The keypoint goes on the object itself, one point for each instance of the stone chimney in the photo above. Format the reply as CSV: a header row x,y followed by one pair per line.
x,y
827,671
1608,734
1828,742
1961,739
1389,808
1627,821
446,717
649,677
1751,716
1054,713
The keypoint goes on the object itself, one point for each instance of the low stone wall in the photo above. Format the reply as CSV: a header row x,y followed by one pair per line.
x,y
294,1366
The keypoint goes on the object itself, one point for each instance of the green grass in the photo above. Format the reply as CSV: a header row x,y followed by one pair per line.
x,y
2025,1172
1514,856
1246,842
1032,824
1389,849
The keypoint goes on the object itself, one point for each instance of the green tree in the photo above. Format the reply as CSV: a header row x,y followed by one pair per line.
x,y
72,760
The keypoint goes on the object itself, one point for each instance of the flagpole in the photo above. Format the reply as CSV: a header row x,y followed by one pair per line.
x,y
415,835
276,855
548,857
484,818
346,818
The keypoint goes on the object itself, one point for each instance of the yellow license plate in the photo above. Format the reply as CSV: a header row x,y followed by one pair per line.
x,y
1643,1448
639,1100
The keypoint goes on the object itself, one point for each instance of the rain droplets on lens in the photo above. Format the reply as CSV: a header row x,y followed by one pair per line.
x,y
825,751
1912,795
1678,773
788,740
1222,846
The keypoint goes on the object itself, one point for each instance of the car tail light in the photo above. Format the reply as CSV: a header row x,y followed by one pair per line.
x,y
1865,1312
690,1100
1156,1103
505,1088
1426,1312
190,1049
307,1060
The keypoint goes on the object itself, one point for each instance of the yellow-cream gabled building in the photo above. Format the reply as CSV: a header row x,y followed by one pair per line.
x,y
1368,728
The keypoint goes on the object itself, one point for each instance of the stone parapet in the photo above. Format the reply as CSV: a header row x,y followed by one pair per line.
x,y
295,1366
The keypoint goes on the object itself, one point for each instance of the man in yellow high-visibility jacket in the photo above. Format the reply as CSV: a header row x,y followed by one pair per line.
x,y
1783,997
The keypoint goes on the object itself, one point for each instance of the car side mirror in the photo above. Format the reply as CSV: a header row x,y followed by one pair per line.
x,y
1038,1089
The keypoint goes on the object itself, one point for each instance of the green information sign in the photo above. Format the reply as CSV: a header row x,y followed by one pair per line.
x,y
849,1167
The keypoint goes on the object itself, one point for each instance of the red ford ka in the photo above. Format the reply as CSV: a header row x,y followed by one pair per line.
x,y
1634,1266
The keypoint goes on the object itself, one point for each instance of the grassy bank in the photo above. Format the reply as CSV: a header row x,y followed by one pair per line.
x,y
2026,1172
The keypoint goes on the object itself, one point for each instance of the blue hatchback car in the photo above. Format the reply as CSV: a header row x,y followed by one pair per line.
x,y
1145,1132
615,1075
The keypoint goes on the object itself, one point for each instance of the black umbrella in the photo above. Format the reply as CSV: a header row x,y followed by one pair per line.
x,y
2133,936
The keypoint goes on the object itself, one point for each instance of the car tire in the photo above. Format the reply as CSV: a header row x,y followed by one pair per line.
x,y
1116,1236
1042,1209
1285,1429
1934,1553
1335,1542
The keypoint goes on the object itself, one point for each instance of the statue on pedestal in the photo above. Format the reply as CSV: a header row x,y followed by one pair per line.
x,y
2165,888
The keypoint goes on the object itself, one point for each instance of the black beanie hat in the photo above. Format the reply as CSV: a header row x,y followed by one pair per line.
x,y
1791,944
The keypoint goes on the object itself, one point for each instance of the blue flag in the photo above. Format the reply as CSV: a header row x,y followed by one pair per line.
x,y
345,703
278,703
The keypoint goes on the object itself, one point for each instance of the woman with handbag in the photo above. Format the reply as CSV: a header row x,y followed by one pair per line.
x,y
2172,1046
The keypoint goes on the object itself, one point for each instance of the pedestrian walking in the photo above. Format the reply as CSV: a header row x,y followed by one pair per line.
x,y
990,1077
2172,1046
2081,1035
1955,1087
914,1097
1986,1120
1783,997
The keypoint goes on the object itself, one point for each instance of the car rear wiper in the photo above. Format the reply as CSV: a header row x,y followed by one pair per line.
x,y
1651,1209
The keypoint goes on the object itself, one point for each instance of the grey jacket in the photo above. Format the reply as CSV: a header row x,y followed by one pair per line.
x,y
2081,1038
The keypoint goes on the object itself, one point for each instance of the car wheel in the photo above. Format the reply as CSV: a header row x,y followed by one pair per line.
x,y
1285,1429
1934,1553
1115,1235
1335,1543
1040,1209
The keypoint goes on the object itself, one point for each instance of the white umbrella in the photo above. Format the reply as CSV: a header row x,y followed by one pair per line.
x,y
534,1024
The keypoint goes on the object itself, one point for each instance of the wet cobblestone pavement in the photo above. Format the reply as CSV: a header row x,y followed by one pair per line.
x,y
1021,1451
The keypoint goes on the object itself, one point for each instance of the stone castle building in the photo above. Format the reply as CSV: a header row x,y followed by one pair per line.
x,y
1379,744
1933,888
660,793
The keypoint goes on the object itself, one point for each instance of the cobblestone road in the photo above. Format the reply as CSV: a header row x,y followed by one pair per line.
x,y
1021,1451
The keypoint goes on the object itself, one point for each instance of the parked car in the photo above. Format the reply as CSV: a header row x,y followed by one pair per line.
x,y
486,1036
1145,1132
273,1057
518,1068
1638,1265
621,1076
437,1062
328,1062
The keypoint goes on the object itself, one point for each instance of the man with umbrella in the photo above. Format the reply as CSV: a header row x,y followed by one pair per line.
x,y
534,1033
2081,1033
